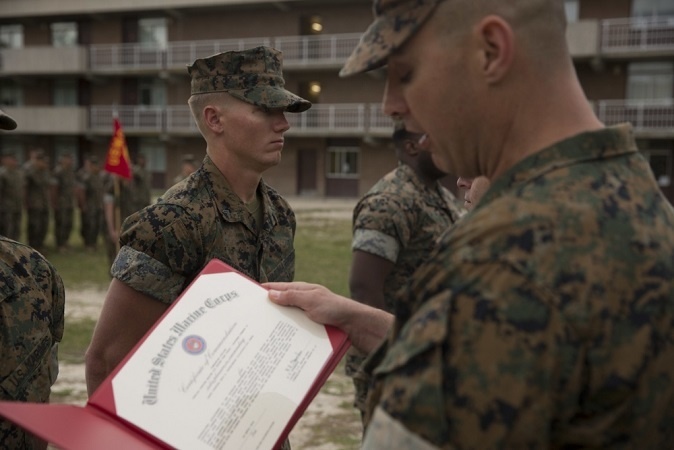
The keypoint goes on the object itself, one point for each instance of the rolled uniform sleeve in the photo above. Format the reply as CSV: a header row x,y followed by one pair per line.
x,y
161,247
380,226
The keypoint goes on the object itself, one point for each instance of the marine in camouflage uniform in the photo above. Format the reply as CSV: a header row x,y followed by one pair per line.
x,y
398,220
63,181
11,197
32,303
37,181
117,207
544,318
200,219
142,182
164,246
90,199
187,167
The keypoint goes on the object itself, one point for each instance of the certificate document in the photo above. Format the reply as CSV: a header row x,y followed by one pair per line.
x,y
223,368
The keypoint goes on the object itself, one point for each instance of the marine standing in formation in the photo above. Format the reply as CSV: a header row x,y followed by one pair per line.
x,y
63,203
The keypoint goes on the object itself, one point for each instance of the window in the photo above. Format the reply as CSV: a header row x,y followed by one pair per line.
x,y
651,8
571,9
661,165
64,34
11,93
65,93
343,162
153,32
151,92
155,154
650,80
11,36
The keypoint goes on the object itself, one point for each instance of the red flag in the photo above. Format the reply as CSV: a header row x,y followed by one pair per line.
x,y
118,161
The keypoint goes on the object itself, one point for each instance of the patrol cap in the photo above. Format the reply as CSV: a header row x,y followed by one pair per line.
x,y
254,76
6,122
395,21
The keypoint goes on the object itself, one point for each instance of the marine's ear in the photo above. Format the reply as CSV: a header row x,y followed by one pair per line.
x,y
213,118
497,42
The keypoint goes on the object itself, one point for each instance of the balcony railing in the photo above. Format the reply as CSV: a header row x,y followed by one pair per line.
x,y
646,116
326,50
140,119
637,34
650,118
321,120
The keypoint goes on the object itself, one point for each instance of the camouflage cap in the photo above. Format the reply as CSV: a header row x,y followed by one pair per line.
x,y
6,122
395,21
254,76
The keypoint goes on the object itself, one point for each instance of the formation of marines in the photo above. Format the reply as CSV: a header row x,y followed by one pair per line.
x,y
34,194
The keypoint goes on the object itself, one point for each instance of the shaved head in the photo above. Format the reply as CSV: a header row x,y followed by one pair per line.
x,y
539,25
198,102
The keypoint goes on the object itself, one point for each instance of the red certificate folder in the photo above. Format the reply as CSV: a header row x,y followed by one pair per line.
x,y
222,368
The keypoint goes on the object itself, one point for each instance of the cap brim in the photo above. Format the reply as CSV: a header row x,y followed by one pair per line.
x,y
272,98
386,35
6,122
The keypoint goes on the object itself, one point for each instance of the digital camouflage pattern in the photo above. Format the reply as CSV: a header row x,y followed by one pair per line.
x,y
545,319
164,246
395,21
254,76
11,202
92,185
142,187
63,181
399,219
37,181
32,301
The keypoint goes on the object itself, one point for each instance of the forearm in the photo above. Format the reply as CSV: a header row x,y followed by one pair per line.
x,y
95,372
366,326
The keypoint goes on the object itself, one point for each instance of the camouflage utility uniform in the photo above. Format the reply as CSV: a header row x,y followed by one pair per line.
x,y
123,199
164,246
37,204
91,209
64,183
399,220
11,202
31,313
142,187
545,319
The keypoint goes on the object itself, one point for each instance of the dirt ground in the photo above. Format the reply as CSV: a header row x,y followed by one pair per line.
x,y
329,423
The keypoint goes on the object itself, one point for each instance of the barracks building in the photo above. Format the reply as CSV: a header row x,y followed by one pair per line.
x,y
67,66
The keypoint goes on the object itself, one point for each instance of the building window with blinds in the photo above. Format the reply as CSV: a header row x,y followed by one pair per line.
x,y
343,162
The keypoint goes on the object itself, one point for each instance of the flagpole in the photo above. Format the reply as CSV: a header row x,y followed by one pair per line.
x,y
117,211
118,164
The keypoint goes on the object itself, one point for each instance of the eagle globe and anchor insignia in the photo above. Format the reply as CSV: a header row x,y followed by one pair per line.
x,y
194,345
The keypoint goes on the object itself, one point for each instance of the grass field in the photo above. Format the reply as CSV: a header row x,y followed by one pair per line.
x,y
322,248
322,256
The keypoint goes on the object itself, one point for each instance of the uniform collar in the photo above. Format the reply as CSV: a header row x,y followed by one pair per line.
x,y
231,207
592,145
